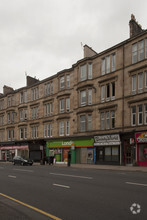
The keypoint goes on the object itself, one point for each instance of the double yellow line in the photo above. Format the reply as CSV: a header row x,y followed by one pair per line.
x,y
31,207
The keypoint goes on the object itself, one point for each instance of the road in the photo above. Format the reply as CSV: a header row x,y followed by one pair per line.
x,y
53,192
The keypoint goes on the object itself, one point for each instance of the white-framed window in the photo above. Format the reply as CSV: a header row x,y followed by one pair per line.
x,y
67,81
102,120
83,98
113,61
67,104
145,114
9,118
89,122
108,92
61,105
25,133
103,66
140,115
67,128
145,48
134,53
62,81
21,133
113,90
134,83
145,79
108,64
35,93
89,70
83,72
21,97
34,132
133,115
61,128
102,93
48,130
112,119
140,82
9,135
21,115
107,120
140,50
89,96
82,123
48,109
34,113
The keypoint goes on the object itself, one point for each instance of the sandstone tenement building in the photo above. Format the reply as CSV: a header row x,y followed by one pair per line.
x,y
97,109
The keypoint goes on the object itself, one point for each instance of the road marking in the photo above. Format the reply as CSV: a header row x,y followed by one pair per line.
x,y
31,207
137,184
11,176
31,171
82,177
68,187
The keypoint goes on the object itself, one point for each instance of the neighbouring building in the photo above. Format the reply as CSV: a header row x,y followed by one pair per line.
x,y
97,109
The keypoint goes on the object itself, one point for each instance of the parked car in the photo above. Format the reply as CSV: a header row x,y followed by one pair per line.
x,y
19,160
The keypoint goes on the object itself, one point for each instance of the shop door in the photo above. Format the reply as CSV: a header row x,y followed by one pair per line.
x,y
99,154
78,155
129,154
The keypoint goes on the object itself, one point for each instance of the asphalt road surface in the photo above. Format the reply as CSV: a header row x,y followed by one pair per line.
x,y
53,192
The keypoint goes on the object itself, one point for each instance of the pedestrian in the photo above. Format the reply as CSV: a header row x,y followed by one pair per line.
x,y
69,158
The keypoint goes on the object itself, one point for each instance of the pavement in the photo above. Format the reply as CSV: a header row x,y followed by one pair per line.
x,y
103,167
95,166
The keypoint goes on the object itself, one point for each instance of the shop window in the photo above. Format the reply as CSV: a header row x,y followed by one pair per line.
x,y
142,152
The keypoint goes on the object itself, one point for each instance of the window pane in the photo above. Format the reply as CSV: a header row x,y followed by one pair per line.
x,y
68,81
103,66
62,82
133,83
62,105
140,51
113,89
82,123
145,78
140,115
108,64
134,53
140,80
89,122
134,115
107,120
89,96
113,62
112,119
83,98
102,121
83,73
90,71
102,93
145,114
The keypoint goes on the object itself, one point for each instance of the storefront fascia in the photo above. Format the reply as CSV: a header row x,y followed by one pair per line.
x,y
59,149
141,141
8,152
108,146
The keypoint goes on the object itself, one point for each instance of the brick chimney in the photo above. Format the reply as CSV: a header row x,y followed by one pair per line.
x,y
135,28
31,81
7,90
88,51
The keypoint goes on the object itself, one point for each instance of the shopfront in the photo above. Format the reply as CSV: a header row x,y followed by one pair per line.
x,y
108,149
82,151
8,152
141,141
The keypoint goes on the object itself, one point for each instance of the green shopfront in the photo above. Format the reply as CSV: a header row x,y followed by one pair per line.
x,y
82,150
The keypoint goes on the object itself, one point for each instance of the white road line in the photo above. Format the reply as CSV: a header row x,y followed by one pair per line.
x,y
137,184
82,177
31,171
68,187
11,176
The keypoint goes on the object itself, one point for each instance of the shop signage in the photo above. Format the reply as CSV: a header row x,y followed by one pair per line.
x,y
14,147
141,137
101,140
70,143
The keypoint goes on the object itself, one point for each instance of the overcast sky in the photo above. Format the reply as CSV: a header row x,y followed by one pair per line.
x,y
43,37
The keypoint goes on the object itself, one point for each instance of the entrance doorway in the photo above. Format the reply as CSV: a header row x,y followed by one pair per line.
x,y
128,153
99,154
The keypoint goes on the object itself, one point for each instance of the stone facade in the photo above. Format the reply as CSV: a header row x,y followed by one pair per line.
x,y
94,97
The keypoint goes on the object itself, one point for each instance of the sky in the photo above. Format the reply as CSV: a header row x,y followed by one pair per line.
x,y
42,37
